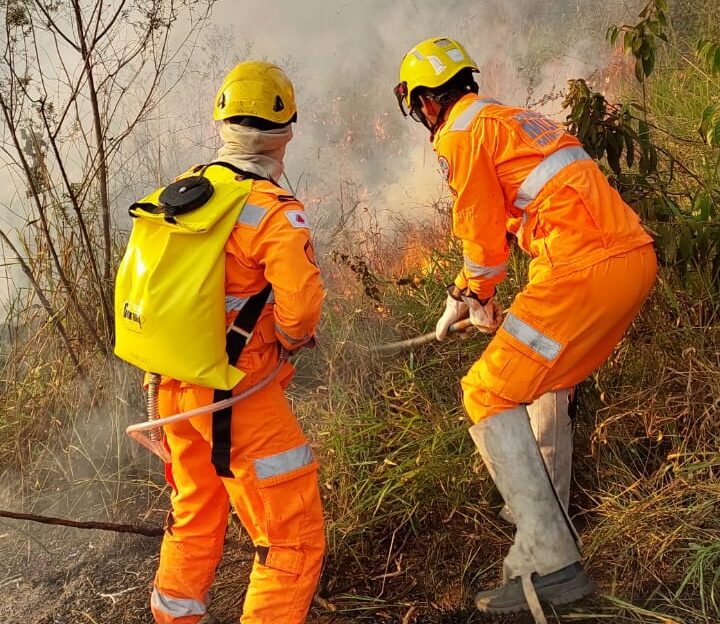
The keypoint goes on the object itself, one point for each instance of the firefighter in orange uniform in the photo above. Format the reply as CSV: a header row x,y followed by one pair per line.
x,y
514,172
253,455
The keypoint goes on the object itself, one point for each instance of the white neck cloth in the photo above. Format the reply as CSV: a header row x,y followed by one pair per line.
x,y
256,151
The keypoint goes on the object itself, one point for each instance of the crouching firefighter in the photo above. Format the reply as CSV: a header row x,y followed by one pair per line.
x,y
218,282
516,175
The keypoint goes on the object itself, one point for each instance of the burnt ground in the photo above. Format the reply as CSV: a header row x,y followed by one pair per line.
x,y
58,575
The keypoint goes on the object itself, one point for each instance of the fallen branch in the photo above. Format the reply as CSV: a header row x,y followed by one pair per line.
x,y
102,526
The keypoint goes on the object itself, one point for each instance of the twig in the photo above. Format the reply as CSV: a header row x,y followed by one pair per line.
x,y
102,526
113,597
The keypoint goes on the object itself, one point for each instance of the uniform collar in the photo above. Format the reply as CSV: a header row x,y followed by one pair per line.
x,y
455,111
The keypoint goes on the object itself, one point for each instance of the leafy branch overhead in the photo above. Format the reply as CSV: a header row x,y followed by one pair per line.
x,y
640,40
677,201
709,53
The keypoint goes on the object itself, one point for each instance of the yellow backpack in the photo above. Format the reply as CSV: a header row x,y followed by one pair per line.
x,y
170,285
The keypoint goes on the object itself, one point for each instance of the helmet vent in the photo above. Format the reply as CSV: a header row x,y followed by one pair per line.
x,y
221,103
278,106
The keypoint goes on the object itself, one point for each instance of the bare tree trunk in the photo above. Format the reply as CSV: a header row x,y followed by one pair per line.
x,y
71,294
99,144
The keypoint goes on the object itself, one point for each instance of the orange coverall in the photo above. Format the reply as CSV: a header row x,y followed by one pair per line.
x,y
274,488
592,264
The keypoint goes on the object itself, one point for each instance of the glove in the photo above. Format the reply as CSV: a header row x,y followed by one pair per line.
x,y
486,317
455,310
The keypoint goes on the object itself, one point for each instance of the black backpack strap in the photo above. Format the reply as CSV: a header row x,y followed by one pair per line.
x,y
240,330
238,335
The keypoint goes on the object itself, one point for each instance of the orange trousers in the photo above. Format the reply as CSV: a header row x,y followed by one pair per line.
x,y
274,491
558,331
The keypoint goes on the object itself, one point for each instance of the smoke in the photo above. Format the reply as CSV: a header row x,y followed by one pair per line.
x,y
343,58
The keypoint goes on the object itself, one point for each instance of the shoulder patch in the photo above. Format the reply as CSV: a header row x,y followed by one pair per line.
x,y
297,218
252,215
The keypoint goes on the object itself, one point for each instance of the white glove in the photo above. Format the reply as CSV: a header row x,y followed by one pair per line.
x,y
486,318
454,311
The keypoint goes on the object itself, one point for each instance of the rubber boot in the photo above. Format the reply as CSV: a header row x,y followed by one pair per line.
x,y
543,562
552,427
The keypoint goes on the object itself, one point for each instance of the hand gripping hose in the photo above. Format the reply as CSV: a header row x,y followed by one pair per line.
x,y
404,345
153,441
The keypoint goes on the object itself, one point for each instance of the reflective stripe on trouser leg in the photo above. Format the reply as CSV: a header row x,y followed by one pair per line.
x,y
192,548
581,323
290,550
275,494
168,609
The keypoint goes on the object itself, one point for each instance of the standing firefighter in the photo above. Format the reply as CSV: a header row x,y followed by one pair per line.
x,y
516,174
266,301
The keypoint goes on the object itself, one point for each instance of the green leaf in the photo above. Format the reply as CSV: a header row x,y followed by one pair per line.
x,y
654,27
639,72
686,243
710,125
628,42
612,34
638,42
653,159
629,149
648,63
702,205
661,6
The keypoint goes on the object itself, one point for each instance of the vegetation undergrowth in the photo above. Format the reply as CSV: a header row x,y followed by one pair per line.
x,y
411,512
407,497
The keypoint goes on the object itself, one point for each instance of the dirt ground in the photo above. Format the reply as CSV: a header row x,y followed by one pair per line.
x,y
58,575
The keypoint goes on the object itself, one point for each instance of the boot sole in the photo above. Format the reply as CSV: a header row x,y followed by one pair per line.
x,y
562,593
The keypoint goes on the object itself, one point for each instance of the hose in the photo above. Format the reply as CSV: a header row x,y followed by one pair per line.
x,y
136,431
151,408
404,345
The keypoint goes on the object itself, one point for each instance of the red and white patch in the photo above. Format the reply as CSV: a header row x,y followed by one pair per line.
x,y
444,168
298,219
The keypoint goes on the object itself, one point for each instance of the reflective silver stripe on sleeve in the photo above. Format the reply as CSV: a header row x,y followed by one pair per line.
x,y
545,170
282,463
252,215
233,304
464,119
528,335
176,607
523,221
479,270
290,339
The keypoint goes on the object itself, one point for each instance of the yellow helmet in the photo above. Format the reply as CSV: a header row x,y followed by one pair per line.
x,y
430,63
256,89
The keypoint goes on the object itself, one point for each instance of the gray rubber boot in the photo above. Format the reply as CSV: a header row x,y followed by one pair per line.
x,y
543,562
552,427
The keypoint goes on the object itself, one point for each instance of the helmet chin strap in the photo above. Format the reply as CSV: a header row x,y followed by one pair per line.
x,y
432,127
438,121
